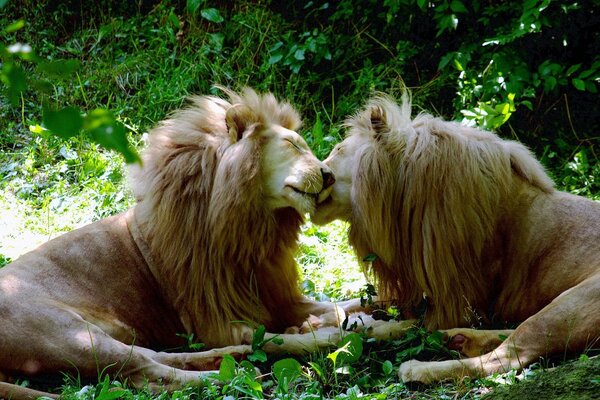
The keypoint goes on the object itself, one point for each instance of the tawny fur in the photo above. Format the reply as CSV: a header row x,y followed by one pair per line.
x,y
428,195
202,209
472,223
207,251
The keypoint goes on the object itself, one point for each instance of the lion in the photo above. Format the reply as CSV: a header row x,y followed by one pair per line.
x,y
473,224
207,253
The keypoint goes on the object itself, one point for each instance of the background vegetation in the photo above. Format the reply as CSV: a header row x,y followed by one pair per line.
x,y
81,76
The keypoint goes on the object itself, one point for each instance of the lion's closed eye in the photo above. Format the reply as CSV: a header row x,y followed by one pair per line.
x,y
294,145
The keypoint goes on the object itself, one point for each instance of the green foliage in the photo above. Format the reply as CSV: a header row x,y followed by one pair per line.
x,y
191,344
419,343
103,73
67,122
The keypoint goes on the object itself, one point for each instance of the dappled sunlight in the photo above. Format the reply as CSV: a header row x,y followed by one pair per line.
x,y
84,338
10,285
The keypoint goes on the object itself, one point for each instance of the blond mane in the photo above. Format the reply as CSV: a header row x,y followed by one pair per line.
x,y
426,198
201,208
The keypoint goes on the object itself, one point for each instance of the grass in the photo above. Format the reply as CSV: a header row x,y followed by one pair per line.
x,y
141,67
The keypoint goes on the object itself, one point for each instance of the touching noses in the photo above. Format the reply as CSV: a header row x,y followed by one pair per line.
x,y
328,178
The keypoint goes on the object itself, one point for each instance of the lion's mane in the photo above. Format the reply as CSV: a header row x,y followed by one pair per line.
x,y
200,206
427,199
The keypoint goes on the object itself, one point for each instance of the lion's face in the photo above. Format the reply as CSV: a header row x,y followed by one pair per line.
x,y
293,176
335,202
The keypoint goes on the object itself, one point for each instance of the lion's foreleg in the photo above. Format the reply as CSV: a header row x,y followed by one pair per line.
x,y
16,392
198,361
571,322
475,342
303,343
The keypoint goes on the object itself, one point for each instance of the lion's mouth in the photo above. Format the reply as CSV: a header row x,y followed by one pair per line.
x,y
303,193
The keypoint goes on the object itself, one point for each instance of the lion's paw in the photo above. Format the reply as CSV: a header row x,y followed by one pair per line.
x,y
413,371
312,323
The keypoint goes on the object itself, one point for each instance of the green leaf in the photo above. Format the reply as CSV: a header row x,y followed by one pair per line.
x,y
107,392
192,6
17,81
258,355
227,368
353,345
15,26
458,65
458,6
212,15
370,257
287,370
110,133
579,84
59,68
317,368
299,54
387,367
64,123
275,58
590,87
573,68
258,337
317,130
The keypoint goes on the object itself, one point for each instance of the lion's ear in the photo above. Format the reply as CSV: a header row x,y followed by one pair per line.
x,y
238,119
378,121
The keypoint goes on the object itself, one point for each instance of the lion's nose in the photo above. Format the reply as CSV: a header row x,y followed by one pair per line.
x,y
328,178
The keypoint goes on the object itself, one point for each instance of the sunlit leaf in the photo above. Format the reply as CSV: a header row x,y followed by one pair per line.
x,y
458,65
110,133
15,26
350,349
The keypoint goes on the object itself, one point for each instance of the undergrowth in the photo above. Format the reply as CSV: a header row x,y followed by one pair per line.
x,y
141,59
